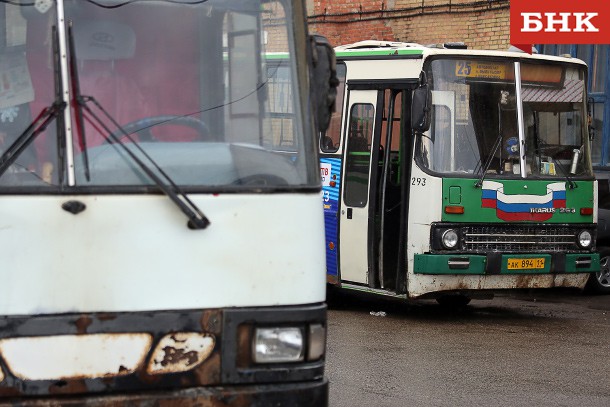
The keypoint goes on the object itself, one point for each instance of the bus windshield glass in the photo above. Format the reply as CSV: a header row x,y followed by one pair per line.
x,y
192,100
480,126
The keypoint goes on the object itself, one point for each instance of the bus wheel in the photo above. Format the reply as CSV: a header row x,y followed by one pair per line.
x,y
453,300
599,282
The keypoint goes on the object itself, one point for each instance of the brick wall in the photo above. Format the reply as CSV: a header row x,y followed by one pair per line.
x,y
480,24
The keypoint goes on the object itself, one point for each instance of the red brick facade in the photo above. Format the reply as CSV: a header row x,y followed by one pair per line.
x,y
480,24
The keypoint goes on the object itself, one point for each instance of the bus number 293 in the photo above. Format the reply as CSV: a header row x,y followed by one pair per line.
x,y
418,181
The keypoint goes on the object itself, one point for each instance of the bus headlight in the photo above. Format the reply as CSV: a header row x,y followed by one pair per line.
x,y
585,239
449,239
278,345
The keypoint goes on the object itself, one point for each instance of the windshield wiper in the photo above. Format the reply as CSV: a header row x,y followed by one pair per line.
x,y
40,123
564,173
537,139
196,218
488,161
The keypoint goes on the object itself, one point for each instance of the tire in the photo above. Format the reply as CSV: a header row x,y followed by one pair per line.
x,y
453,301
599,283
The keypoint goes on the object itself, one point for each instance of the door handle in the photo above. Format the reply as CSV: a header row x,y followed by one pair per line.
x,y
349,213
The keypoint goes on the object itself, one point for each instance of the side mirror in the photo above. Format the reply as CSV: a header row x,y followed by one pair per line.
x,y
323,81
421,106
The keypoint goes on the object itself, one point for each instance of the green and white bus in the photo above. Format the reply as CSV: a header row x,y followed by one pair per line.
x,y
450,173
147,204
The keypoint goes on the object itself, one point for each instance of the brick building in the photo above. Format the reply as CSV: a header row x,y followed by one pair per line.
x,y
480,24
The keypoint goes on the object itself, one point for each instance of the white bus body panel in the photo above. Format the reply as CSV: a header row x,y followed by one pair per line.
x,y
381,69
260,250
424,208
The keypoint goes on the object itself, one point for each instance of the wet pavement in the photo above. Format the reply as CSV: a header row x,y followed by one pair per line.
x,y
529,348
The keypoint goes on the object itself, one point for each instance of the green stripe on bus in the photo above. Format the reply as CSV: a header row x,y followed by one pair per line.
x,y
379,52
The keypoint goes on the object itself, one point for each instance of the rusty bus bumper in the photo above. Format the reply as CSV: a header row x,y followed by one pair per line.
x,y
308,394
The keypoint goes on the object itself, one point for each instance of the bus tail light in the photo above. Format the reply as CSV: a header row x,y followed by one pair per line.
x,y
586,211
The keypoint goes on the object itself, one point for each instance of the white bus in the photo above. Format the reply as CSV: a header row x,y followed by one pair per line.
x,y
148,211
450,173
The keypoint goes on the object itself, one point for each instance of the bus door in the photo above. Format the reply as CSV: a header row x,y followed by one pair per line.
x,y
354,216
390,189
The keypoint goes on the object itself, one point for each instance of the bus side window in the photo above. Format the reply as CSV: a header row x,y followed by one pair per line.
x,y
359,155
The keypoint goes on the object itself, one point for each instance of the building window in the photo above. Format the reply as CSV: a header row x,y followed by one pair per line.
x,y
599,68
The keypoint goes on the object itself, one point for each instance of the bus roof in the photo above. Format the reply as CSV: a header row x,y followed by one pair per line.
x,y
399,50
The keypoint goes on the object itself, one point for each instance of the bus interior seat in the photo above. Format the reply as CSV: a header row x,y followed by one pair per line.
x,y
100,47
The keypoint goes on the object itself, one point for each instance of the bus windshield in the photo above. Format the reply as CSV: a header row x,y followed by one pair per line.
x,y
191,100
480,126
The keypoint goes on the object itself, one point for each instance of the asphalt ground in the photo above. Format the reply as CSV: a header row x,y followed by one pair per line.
x,y
526,348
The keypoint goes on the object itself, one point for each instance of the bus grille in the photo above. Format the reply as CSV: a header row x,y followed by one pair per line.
x,y
520,238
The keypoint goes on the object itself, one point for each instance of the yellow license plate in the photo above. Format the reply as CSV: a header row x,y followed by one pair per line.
x,y
524,264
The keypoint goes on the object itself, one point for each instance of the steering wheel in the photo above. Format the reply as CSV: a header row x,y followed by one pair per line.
x,y
144,126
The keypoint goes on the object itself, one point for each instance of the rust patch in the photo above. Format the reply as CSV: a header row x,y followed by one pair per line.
x,y
211,322
244,334
462,286
174,356
525,281
221,400
206,373
171,399
209,371
105,317
180,352
9,392
68,387
82,324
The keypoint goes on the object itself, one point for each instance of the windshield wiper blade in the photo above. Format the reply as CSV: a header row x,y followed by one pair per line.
x,y
564,173
488,161
538,150
197,220
39,125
